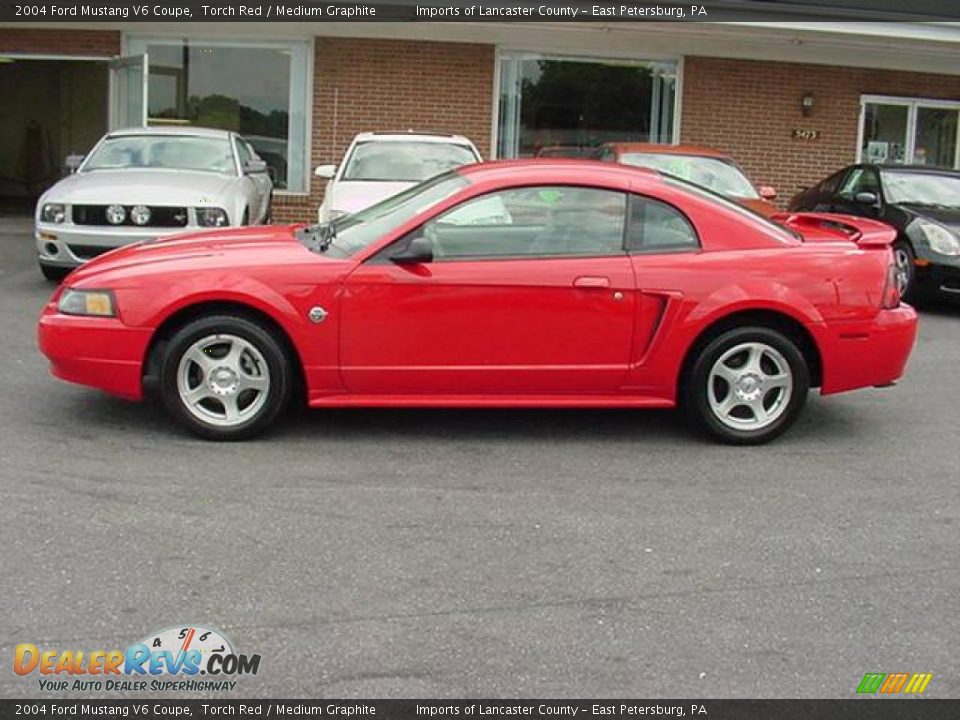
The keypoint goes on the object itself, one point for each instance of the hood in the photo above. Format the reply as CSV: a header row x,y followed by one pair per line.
x,y
351,196
258,246
949,216
128,187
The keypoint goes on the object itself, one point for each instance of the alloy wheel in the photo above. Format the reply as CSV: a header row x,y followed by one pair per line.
x,y
749,386
223,380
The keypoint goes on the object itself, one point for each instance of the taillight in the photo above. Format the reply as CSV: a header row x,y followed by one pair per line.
x,y
891,289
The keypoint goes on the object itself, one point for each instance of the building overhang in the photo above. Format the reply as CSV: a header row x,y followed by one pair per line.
x,y
931,47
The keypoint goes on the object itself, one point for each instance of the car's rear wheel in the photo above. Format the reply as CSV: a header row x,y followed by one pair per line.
x,y
903,258
747,386
224,377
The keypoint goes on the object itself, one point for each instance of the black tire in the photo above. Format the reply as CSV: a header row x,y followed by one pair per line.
x,y
902,249
270,348
246,217
268,215
696,384
54,273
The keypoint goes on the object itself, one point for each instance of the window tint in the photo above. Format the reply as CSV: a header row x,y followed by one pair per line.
x,y
861,180
830,185
532,221
658,227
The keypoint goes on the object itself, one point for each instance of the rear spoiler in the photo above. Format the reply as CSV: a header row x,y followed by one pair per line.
x,y
829,227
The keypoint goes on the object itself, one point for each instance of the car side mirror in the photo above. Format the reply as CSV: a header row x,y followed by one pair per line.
x,y
73,162
416,251
768,193
325,171
255,167
866,198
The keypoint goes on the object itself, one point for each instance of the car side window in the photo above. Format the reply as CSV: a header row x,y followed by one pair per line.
x,y
535,221
860,180
243,152
656,226
830,185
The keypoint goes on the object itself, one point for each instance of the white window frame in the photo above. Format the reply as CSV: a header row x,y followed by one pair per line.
x,y
913,104
518,53
299,103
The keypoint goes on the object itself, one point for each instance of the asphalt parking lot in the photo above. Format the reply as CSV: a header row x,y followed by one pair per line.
x,y
488,553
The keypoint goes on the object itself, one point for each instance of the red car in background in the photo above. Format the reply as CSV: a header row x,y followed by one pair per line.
x,y
702,166
545,283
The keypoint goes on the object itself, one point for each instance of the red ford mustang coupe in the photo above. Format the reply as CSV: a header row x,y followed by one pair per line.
x,y
549,283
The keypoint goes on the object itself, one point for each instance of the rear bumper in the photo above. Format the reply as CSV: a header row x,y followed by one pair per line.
x,y
99,352
858,355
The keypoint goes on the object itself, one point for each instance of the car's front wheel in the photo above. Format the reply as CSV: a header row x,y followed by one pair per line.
x,y
224,377
747,386
903,258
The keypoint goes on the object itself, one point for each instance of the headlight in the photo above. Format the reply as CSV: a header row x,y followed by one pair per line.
x,y
53,213
87,302
940,239
212,217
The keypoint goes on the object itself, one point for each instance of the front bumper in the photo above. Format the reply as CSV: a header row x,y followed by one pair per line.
x,y
938,278
99,352
68,245
867,354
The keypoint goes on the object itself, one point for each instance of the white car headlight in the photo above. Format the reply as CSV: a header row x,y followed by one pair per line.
x,y
53,213
939,238
98,303
212,217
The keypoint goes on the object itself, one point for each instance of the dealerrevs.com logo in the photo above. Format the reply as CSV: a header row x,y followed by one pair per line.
x,y
177,659
894,683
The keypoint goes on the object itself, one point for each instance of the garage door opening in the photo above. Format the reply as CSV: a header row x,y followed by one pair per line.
x,y
51,109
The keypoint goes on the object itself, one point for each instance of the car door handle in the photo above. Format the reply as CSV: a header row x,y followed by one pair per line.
x,y
592,281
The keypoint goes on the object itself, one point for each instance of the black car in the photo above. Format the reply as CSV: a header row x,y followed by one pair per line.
x,y
922,203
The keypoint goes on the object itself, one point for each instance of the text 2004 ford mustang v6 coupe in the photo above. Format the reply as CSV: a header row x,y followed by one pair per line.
x,y
558,283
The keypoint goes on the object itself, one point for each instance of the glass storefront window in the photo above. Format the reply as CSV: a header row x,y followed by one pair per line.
x,y
566,107
910,131
935,141
258,90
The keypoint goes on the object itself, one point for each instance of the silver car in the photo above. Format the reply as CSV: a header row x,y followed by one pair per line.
x,y
144,183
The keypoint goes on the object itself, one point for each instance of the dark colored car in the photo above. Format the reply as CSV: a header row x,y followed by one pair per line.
x,y
922,203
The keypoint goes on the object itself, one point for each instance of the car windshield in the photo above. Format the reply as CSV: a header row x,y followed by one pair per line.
x,y
169,152
714,174
921,188
404,160
354,232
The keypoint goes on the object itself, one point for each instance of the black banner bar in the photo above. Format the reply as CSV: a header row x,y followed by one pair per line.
x,y
96,11
866,708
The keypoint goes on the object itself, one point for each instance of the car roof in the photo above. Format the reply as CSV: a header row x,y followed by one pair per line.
x,y
182,130
575,169
913,168
636,147
419,137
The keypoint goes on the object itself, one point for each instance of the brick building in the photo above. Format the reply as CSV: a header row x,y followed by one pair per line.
x,y
790,101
